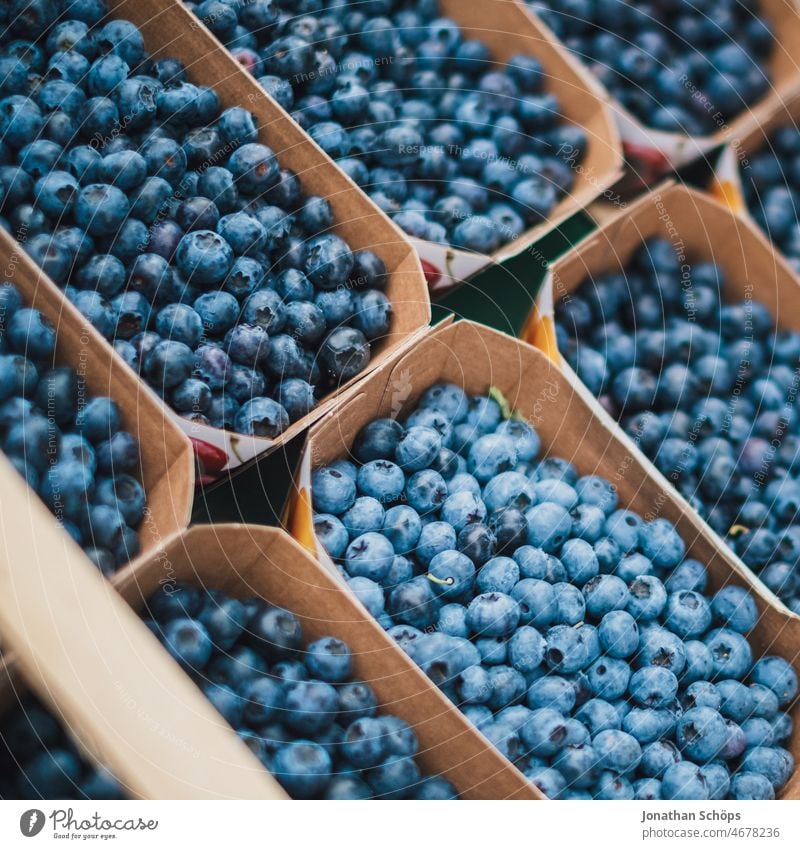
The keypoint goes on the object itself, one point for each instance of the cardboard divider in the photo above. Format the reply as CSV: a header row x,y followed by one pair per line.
x,y
570,424
103,673
250,560
651,153
167,468
171,30
508,29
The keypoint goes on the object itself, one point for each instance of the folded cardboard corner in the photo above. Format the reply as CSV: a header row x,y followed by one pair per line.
x,y
85,654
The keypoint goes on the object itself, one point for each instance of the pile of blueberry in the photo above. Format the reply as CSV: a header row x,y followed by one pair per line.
x,y
296,706
39,761
575,635
682,66
708,390
67,444
456,148
771,182
172,228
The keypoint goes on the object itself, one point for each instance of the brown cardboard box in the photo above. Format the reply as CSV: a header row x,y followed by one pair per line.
x,y
508,29
651,153
90,658
735,159
171,30
699,227
167,467
248,560
550,399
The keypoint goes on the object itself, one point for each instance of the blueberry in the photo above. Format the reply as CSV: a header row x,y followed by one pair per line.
x,y
372,314
395,778
303,768
125,494
731,654
500,574
414,603
618,633
452,575
188,642
369,556
31,334
735,608
777,675
261,417
661,543
368,592
181,323
168,364
275,631
426,491
609,678
204,257
549,525
344,353
688,614
364,744
434,538
493,615
329,659
688,575
402,527
684,780
751,785
604,593
382,480
545,732
66,487
657,757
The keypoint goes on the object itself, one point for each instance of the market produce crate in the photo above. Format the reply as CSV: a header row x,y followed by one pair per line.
x,y
698,225
571,426
651,153
700,228
508,29
735,161
165,468
170,30
86,655
248,560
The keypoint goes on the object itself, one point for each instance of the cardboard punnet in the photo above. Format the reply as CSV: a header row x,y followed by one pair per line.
x,y
170,30
167,468
250,560
508,29
734,159
651,153
477,358
700,227
104,674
